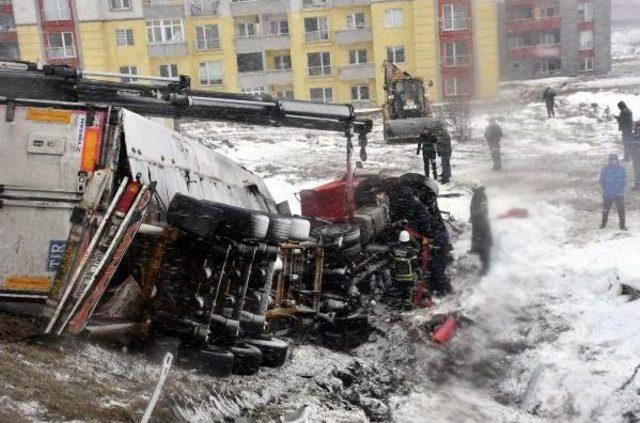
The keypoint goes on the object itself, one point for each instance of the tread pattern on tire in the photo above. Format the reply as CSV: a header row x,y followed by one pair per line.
x,y
247,359
274,351
300,229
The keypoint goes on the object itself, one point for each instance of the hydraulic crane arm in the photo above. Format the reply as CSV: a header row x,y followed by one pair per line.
x,y
172,98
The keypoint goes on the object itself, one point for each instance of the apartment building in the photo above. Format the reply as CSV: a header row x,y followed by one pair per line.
x,y
541,38
322,50
8,34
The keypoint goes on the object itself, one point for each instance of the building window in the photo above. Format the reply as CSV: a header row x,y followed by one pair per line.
x,y
521,13
355,21
319,64
255,90
586,40
60,45
456,86
455,17
124,37
169,71
120,4
321,95
207,37
549,39
395,54
165,31
280,28
128,70
549,66
549,12
56,10
360,92
285,94
586,64
393,18
210,73
282,62
316,29
516,42
315,3
456,53
250,62
247,28
202,7
357,57
585,12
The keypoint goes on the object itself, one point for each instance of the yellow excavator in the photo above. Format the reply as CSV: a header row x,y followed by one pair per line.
x,y
406,112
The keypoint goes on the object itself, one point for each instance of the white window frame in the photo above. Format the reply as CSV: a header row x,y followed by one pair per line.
x,y
124,37
587,64
358,57
241,28
585,12
253,90
585,38
171,70
322,31
452,87
202,7
352,21
129,70
324,67
544,12
327,94
119,5
285,94
358,90
456,59
451,20
394,53
205,73
393,18
56,10
67,49
548,39
280,24
165,25
281,63
204,43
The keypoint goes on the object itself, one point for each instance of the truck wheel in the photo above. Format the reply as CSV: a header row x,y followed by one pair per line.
x,y
195,217
279,229
300,229
350,233
241,224
345,254
246,359
212,360
274,351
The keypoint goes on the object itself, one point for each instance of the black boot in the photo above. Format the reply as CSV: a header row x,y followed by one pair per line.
x,y
605,217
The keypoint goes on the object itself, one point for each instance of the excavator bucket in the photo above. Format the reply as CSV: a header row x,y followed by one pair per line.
x,y
407,131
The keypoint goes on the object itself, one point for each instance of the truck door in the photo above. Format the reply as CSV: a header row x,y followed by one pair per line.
x,y
40,185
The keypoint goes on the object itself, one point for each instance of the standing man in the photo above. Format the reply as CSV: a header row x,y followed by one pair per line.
x,y
494,135
625,125
444,150
613,179
634,152
427,143
549,97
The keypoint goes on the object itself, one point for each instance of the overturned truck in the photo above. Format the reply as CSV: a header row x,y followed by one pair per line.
x,y
112,223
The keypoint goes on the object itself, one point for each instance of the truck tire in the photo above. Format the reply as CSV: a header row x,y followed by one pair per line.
x,y
274,350
279,229
300,229
246,359
242,224
196,217
345,254
350,233
212,360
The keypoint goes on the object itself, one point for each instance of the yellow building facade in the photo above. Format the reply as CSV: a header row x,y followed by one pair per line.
x,y
322,50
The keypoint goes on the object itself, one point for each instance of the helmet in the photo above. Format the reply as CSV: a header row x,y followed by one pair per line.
x,y
404,236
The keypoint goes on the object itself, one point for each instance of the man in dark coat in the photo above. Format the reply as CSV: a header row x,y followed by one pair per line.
x,y
625,125
481,237
549,97
613,179
444,150
427,143
494,135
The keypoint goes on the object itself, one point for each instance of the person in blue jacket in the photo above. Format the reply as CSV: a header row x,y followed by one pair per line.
x,y
613,179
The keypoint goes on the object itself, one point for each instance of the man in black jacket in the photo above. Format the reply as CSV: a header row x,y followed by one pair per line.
x,y
427,144
549,97
625,125
494,135
444,150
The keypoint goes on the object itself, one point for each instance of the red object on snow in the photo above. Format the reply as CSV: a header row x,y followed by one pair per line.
x,y
443,333
515,213
328,201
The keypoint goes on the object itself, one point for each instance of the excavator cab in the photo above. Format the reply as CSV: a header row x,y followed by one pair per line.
x,y
408,99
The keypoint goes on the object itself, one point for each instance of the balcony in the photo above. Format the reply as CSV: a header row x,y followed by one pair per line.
x,y
312,37
355,35
61,53
163,9
356,72
266,78
316,4
207,44
167,49
457,61
198,8
454,26
534,25
262,42
541,51
259,7
364,104
319,71
55,17
351,3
